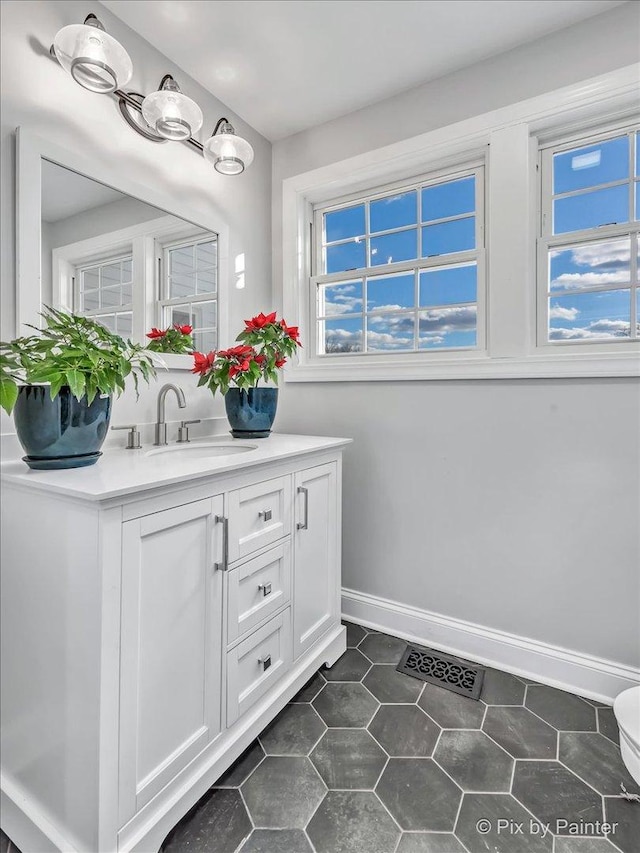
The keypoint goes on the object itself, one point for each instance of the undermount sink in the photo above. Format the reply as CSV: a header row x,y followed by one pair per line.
x,y
201,451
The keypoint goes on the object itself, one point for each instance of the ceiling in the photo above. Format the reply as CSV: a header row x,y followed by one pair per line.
x,y
286,65
66,193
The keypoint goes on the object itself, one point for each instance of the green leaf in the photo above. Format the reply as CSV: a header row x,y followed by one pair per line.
x,y
76,381
8,394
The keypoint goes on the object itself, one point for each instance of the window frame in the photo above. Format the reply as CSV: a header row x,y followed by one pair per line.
x,y
546,241
100,261
474,167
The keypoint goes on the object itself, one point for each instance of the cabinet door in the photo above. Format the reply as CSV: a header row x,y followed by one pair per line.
x,y
171,652
316,570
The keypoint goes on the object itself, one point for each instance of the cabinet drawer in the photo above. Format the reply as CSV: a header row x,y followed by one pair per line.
x,y
255,665
258,516
256,589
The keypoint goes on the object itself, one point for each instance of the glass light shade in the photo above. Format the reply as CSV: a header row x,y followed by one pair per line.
x,y
94,59
230,154
172,114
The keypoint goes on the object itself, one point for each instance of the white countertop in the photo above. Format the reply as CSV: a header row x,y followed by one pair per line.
x,y
123,472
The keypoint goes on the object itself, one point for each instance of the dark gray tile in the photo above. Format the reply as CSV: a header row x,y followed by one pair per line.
x,y
450,710
345,704
240,769
607,724
520,732
352,822
311,689
596,760
565,844
283,793
502,688
349,759
474,761
381,648
626,817
355,634
350,667
387,685
404,731
429,842
294,731
498,837
277,841
557,798
419,795
218,823
562,710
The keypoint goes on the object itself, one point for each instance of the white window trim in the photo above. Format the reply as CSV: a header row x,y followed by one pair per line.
x,y
512,134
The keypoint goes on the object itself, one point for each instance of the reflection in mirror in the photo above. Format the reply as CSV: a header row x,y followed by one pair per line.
x,y
127,264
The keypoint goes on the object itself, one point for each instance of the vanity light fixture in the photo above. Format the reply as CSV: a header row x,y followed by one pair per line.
x,y
229,153
94,59
99,63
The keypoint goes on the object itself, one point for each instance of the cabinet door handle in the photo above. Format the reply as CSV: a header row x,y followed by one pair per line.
x,y
224,565
304,525
265,587
265,662
265,514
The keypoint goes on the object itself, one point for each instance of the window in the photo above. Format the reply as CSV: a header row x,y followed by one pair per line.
x,y
190,288
401,270
588,259
104,291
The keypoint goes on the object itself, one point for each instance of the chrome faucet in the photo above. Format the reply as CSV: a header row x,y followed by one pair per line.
x,y
161,427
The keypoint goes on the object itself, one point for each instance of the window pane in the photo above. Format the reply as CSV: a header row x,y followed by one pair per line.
x,y
207,254
181,261
90,300
637,189
91,278
590,265
336,299
181,285
589,210
448,285
110,274
601,163
206,281
127,269
127,293
638,154
344,335
205,341
447,237
394,211
180,315
204,315
450,199
448,327
346,256
108,321
390,332
124,324
391,291
401,246
341,224
110,297
590,316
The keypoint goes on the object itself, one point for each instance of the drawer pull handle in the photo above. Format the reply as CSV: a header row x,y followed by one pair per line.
x,y
265,662
224,565
265,587
265,514
304,525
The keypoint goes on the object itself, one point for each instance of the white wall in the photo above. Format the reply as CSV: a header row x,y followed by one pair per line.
x,y
510,504
39,95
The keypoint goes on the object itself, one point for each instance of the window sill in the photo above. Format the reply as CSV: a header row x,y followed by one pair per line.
x,y
172,361
578,365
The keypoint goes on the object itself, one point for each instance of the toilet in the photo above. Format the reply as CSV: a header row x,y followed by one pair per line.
x,y
627,711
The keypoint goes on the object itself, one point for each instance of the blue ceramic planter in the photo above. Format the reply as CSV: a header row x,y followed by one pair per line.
x,y
63,432
251,413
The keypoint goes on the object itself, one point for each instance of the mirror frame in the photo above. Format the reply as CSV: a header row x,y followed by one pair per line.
x,y
30,151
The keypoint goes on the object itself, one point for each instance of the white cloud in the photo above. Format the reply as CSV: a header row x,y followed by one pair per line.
x,y
576,280
612,253
597,330
559,313
442,320
384,340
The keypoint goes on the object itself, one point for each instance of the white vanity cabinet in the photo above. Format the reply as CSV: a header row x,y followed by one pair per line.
x,y
150,633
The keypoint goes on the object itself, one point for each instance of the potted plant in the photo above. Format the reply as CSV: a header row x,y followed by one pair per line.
x,y
59,384
266,343
176,339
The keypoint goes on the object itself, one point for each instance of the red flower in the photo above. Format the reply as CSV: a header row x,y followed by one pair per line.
x,y
260,359
236,352
156,333
292,331
185,330
203,363
281,361
260,321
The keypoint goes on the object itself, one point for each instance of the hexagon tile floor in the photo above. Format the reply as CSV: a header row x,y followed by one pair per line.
x,y
368,760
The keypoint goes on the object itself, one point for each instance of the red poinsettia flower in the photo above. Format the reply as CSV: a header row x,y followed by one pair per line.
x,y
281,361
203,363
292,331
260,359
156,333
260,321
236,352
185,330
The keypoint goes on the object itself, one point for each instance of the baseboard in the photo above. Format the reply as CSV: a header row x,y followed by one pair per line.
x,y
592,677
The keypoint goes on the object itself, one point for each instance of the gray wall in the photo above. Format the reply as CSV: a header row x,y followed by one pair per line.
x,y
37,94
511,504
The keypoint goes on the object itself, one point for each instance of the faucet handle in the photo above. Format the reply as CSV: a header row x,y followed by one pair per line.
x,y
133,439
183,431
